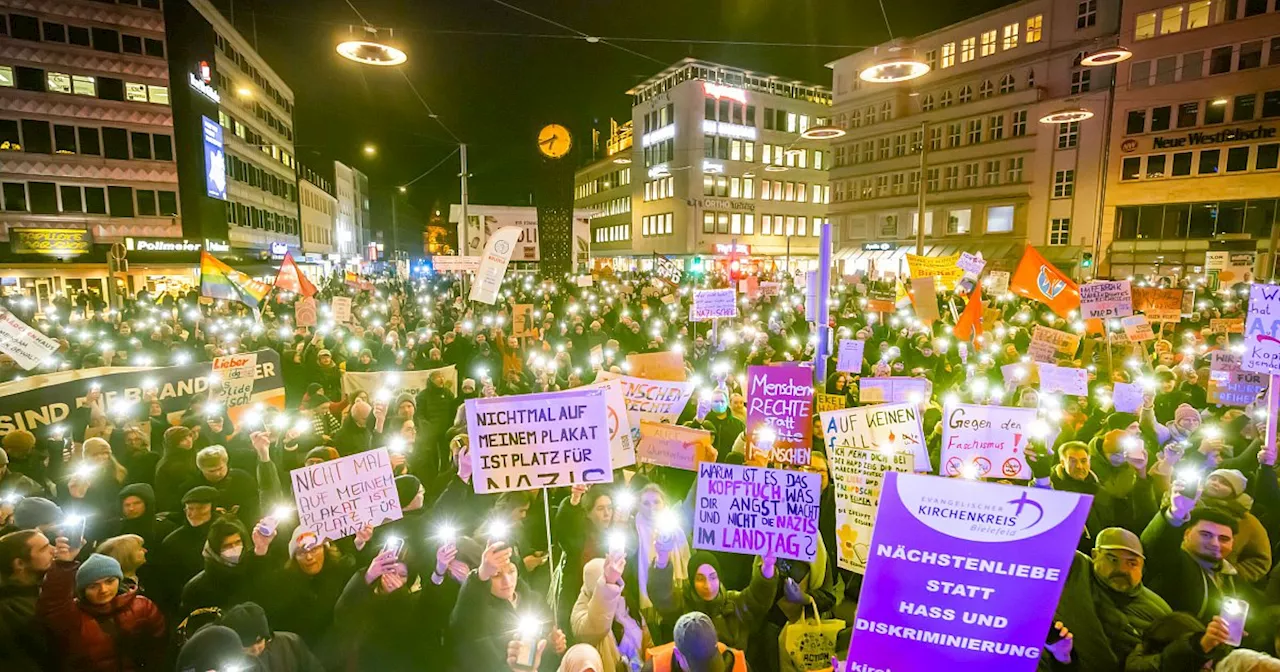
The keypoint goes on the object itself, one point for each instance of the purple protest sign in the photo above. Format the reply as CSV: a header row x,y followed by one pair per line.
x,y
780,411
952,565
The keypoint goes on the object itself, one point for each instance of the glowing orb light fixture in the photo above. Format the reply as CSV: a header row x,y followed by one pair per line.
x,y
823,133
1066,116
1108,56
371,50
900,66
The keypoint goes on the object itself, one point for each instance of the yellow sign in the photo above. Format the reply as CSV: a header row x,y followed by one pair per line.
x,y
828,402
942,268
51,242
665,365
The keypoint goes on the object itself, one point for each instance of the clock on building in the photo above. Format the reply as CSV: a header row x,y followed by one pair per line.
x,y
554,141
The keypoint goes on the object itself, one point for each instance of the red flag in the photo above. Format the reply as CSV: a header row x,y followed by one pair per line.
x,y
291,279
969,325
1039,280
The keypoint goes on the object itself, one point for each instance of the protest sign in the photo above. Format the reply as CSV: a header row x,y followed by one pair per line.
x,y
455,264
1229,384
27,346
1188,302
1063,342
971,263
811,296
387,385
1019,374
234,375
986,441
1159,305
757,511
666,365
893,389
749,286
668,299
341,307
653,400
336,498
897,426
304,312
597,357
522,320
1106,299
493,263
780,411
997,282
1262,331
1126,397
967,573
674,446
622,445
1041,351
849,357
671,271
924,293
1227,325
942,268
770,288
42,400
543,440
714,303
828,402
585,281
1137,329
1063,380
881,299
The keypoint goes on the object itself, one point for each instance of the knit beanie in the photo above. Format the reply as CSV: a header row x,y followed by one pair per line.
x,y
1234,478
249,622
1121,420
407,488
142,491
201,494
96,568
33,512
213,647
19,443
1186,412
322,453
695,637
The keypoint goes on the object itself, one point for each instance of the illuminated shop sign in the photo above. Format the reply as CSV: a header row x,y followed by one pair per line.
x,y
215,161
278,250
216,245
51,242
879,247
727,204
728,130
1221,137
202,81
660,170
733,248
721,91
161,245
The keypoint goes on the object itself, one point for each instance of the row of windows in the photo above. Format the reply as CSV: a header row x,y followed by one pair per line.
x,y
656,225
795,157
1244,107
728,149
246,172
731,112
988,173
104,88
23,27
263,220
959,222
613,206
790,122
613,234
973,131
311,200
732,77
787,225
660,117
47,198
617,178
37,136
659,152
794,192
1208,162
224,45
318,235
663,187
1195,64
244,132
1007,36
1182,221
1197,14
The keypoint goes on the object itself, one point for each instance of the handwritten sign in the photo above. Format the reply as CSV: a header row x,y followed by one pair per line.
x,y
971,263
1127,397
1227,325
967,573
666,365
671,445
986,441
780,411
849,357
622,444
1159,305
1106,299
235,374
336,498
892,427
770,288
304,312
522,324
1137,329
714,303
532,441
757,511
653,400
341,306
998,282
924,293
945,269
1063,342
1262,331
1229,384
27,346
828,402
893,390
1063,380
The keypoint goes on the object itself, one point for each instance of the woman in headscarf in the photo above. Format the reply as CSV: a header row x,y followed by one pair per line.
x,y
736,614
582,658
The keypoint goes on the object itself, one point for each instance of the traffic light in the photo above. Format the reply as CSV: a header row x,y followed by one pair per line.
x,y
696,265
1086,261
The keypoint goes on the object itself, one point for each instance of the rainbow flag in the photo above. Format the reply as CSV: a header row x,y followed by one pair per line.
x,y
220,281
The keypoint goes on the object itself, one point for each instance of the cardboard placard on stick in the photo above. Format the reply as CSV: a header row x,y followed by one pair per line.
x,y
673,446
757,511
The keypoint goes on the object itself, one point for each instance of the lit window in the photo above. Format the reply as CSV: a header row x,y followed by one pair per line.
x,y
957,222
6,75
84,85
1145,26
1171,20
1010,37
1034,25
948,54
989,43
135,92
1000,219
58,82
158,94
1198,14
967,46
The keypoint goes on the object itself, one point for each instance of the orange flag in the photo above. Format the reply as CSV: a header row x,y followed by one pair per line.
x,y
291,279
1039,280
969,325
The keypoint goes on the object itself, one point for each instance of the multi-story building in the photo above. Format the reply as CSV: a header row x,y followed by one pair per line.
x,y
86,142
351,188
719,170
318,203
995,178
604,187
1195,141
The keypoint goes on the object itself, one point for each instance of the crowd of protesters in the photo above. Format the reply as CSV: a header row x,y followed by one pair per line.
x,y
139,538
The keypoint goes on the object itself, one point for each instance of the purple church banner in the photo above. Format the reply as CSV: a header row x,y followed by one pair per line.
x,y
963,575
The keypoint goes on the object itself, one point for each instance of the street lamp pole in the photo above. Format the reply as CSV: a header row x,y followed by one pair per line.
x,y
922,187
462,208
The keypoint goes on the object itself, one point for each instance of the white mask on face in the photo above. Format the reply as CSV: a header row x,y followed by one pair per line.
x,y
231,556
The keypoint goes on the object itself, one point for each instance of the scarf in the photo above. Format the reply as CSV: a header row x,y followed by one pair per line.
x,y
646,535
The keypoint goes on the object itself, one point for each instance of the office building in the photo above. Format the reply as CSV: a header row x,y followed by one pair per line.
x,y
318,204
352,190
1194,146
603,187
719,174
995,177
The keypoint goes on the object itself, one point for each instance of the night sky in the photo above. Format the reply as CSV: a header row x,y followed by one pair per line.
x,y
495,91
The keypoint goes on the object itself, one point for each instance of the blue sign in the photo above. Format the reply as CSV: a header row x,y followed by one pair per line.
x,y
215,161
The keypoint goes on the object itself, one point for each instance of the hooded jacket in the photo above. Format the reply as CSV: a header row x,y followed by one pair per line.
x,y
600,612
736,614
125,635
176,468
221,584
23,641
1251,551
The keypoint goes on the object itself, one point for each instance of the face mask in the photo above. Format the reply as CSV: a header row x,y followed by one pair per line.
x,y
720,407
231,556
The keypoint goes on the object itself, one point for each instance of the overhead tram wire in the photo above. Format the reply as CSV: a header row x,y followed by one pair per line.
x,y
585,36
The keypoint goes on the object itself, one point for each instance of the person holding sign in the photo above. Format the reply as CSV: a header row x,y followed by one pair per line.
x,y
736,615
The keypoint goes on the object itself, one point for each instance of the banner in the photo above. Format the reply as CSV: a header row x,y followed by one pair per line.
x,y
653,400
1262,331
1063,342
1106,299
522,320
1063,380
26,345
391,384
341,307
36,402
1229,385
1159,305
849,357
304,312
893,390
622,446
945,269
757,511
336,498
998,282
673,446
1227,325
666,365
828,402
713,303
967,575
1137,329
780,412
543,440
986,441
233,378
493,263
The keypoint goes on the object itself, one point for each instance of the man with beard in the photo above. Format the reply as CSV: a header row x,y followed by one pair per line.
x,y
25,557
1105,605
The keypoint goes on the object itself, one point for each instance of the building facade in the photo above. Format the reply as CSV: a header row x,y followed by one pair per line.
x,y
1195,142
995,178
604,188
318,204
351,188
719,173
86,142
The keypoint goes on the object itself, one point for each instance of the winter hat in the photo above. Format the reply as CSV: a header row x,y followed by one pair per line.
x,y
302,539
1121,420
96,568
201,494
33,512
142,491
213,647
322,453
20,442
1185,412
1246,660
407,487
174,436
1234,478
695,637
249,622
581,658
